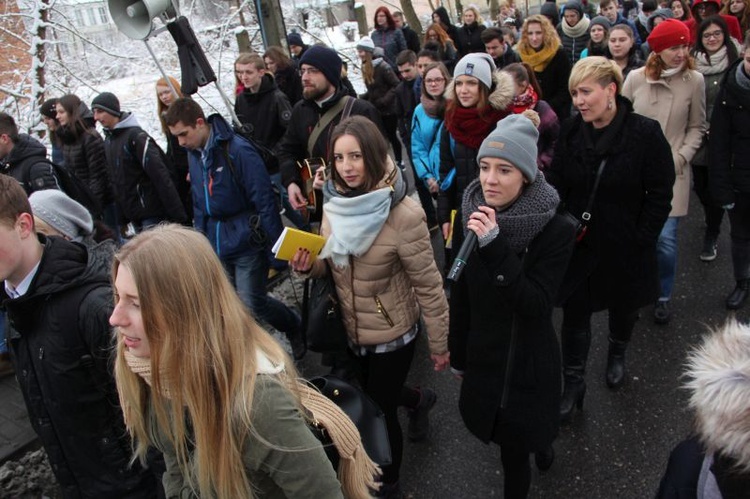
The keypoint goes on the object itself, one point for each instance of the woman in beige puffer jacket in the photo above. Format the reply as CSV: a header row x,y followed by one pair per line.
x,y
378,250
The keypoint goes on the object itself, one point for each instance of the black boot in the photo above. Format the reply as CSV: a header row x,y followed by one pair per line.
x,y
616,363
575,350
738,297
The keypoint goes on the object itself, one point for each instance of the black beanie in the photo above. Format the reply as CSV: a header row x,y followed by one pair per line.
x,y
326,60
49,109
107,102
294,38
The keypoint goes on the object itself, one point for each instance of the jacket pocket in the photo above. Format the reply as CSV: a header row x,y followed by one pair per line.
x,y
382,310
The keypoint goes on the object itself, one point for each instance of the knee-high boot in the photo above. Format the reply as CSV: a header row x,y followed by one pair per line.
x,y
575,350
616,363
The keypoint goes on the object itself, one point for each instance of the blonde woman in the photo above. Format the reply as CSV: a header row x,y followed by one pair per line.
x,y
202,382
469,35
541,49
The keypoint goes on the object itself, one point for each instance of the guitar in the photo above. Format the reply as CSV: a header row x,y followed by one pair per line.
x,y
307,169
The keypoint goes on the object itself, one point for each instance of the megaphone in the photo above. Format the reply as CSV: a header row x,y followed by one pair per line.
x,y
134,17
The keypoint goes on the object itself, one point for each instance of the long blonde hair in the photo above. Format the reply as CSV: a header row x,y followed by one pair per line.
x,y
368,70
203,361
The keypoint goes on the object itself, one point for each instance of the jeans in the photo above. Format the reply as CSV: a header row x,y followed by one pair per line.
x,y
666,256
739,220
293,215
249,275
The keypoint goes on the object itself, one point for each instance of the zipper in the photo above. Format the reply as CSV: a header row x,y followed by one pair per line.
x,y
383,311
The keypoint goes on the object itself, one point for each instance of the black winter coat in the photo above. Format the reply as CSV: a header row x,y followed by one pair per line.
x,y
617,257
84,156
60,340
406,103
729,144
412,39
454,154
573,46
469,39
27,163
502,337
267,112
142,178
289,82
305,115
381,93
554,84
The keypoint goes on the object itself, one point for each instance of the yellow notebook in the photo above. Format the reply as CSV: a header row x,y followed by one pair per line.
x,y
293,239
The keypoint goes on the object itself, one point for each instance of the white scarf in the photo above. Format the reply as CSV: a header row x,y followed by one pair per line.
x,y
668,73
355,223
713,64
578,30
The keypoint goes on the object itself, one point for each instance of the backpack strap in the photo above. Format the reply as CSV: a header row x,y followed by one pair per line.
x,y
343,106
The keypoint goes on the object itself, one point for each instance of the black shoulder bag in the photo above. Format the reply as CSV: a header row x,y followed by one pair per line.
x,y
321,316
582,223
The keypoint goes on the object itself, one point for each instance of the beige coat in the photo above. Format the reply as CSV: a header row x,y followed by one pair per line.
x,y
382,291
679,105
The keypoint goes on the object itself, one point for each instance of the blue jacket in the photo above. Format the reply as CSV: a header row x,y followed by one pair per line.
x,y
223,209
425,144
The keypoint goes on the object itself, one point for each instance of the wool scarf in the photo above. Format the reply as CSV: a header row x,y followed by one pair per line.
x,y
539,60
519,223
434,108
356,471
527,100
357,220
579,29
668,73
713,64
468,127
743,80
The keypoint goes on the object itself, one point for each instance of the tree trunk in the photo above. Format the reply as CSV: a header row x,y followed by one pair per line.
x,y
411,17
494,10
361,16
40,55
243,38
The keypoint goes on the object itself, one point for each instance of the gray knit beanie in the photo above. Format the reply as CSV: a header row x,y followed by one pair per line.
x,y
514,140
107,102
365,43
62,213
479,65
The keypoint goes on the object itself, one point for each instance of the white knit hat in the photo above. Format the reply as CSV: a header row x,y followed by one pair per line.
x,y
62,213
479,65
366,43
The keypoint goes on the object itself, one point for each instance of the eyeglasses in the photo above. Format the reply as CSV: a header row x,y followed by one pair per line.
x,y
713,34
310,71
434,81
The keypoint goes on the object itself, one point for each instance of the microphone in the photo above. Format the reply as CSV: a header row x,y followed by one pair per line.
x,y
462,257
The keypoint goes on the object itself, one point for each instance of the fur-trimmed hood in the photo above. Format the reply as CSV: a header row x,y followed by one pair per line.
x,y
719,379
500,98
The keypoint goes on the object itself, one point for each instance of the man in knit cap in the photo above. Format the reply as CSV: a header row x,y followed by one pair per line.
x,y
58,302
142,177
24,158
324,100
296,46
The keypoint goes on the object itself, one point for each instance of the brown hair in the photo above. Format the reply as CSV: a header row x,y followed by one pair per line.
x,y
13,201
247,58
550,36
184,110
523,73
277,55
372,144
443,37
72,105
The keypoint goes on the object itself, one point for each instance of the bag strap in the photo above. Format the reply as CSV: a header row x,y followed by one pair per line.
x,y
344,104
586,215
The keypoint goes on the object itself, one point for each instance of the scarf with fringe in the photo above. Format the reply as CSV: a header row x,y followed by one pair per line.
x,y
356,220
469,128
357,472
526,100
541,59
520,223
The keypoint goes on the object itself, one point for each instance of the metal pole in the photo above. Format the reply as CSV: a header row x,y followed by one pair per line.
x,y
161,69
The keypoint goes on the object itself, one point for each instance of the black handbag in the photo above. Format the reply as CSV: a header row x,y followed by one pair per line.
x,y
582,223
321,316
364,413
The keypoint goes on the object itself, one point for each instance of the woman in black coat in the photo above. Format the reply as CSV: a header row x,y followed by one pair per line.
x,y
614,264
502,341
729,167
83,147
470,33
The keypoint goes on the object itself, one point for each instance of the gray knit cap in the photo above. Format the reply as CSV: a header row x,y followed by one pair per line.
x,y
514,140
62,213
479,65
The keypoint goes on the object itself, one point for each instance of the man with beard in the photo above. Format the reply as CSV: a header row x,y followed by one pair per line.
x,y
323,104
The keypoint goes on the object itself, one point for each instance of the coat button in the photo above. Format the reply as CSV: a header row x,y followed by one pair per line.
x,y
500,278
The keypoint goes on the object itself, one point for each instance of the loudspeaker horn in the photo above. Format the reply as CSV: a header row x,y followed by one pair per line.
x,y
134,18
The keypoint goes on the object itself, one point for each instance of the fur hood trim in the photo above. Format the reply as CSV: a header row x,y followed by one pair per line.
x,y
719,379
501,97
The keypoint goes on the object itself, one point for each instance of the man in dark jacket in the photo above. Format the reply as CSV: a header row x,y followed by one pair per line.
x,y
235,207
142,178
499,50
321,90
411,36
59,300
609,9
24,158
264,111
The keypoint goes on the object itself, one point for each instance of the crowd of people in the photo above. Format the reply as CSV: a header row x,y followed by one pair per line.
x,y
558,151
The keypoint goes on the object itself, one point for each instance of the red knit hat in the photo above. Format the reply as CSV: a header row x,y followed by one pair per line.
x,y
668,33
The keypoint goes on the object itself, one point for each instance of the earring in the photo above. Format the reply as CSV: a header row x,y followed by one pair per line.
x,y
610,105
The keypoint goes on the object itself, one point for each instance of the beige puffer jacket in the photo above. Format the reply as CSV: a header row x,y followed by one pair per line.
x,y
382,291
